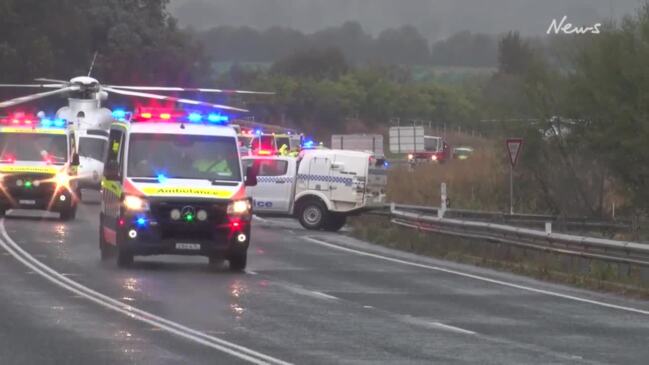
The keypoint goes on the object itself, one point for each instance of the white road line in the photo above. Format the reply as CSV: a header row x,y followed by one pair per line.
x,y
307,292
453,328
175,328
259,218
480,278
422,322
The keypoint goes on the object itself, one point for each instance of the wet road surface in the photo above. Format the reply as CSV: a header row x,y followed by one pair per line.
x,y
307,297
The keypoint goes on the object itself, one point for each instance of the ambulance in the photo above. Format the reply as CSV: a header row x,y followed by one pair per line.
x,y
38,163
173,184
321,188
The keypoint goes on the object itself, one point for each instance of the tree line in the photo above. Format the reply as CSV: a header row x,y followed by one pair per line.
x,y
591,89
404,45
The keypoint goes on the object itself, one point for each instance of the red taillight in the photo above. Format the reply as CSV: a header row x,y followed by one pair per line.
x,y
15,121
165,116
145,115
8,159
121,222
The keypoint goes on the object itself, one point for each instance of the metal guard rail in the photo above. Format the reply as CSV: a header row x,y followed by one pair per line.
x,y
527,219
606,249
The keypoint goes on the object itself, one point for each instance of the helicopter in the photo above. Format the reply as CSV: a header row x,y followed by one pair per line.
x,y
85,114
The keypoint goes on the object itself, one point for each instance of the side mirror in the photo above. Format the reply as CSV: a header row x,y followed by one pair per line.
x,y
111,171
251,176
75,159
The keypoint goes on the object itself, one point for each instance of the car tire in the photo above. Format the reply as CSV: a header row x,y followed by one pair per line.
x,y
335,221
69,214
104,248
238,262
215,260
124,257
312,214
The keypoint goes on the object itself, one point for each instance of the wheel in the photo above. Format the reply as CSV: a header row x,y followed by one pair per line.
x,y
238,261
312,214
69,214
335,222
124,257
104,248
215,260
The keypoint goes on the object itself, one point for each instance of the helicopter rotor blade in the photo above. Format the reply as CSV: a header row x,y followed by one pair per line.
x,y
191,89
27,98
42,79
41,86
171,98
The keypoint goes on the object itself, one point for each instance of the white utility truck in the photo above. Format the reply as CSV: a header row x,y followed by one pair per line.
x,y
320,187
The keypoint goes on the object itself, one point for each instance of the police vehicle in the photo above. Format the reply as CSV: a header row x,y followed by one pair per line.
x,y
38,164
173,184
319,187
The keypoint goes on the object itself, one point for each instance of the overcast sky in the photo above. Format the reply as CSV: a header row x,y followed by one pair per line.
x,y
435,18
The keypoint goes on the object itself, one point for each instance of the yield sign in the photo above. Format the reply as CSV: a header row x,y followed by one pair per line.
x,y
514,146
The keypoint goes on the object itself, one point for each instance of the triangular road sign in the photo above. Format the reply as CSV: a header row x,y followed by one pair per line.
x,y
514,146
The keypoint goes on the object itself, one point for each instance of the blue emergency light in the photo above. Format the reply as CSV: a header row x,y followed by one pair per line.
x,y
119,114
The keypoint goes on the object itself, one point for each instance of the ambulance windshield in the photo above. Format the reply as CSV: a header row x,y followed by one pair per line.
x,y
183,157
51,148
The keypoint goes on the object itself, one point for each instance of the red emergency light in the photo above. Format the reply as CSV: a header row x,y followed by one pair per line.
x,y
7,158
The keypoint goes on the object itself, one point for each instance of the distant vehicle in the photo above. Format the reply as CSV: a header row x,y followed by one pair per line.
x,y
358,142
462,153
263,145
320,188
370,143
436,149
270,144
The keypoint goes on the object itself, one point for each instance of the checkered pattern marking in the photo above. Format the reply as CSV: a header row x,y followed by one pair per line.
x,y
272,179
325,178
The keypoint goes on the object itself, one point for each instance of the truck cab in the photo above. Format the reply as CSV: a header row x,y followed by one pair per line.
x,y
174,184
38,163
436,149
320,187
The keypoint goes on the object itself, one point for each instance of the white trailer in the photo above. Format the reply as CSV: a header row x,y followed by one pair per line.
x,y
358,142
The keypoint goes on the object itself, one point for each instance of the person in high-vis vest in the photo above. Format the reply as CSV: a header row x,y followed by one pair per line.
x,y
283,151
219,165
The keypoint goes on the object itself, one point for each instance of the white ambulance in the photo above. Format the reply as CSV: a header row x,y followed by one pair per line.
x,y
320,187
38,165
173,184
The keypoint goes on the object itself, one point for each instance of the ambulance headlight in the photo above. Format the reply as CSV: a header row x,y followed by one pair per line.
x,y
132,202
410,156
239,207
433,157
62,179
